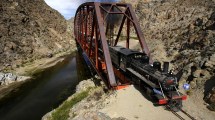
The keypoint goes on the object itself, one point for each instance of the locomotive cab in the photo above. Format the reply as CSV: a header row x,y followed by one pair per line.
x,y
121,57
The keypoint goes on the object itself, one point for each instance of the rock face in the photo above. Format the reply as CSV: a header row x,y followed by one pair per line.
x,y
70,26
210,98
84,85
30,30
181,32
184,27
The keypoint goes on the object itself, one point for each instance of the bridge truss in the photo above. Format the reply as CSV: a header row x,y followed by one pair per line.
x,y
100,25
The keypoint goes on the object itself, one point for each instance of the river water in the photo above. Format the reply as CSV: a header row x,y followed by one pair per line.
x,y
49,88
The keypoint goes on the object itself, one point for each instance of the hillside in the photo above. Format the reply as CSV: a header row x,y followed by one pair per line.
x,y
182,32
30,30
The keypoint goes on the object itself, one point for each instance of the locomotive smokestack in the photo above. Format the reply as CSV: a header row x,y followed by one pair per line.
x,y
165,67
157,65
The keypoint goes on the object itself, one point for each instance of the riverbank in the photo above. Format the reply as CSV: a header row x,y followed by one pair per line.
x,y
129,103
37,66
29,69
84,89
85,103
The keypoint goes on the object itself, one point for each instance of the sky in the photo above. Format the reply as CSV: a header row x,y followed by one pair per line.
x,y
68,7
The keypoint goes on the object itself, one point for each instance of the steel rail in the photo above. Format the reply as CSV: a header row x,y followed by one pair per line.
x,y
188,115
176,114
179,116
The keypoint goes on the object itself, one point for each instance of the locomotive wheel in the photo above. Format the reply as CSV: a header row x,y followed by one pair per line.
x,y
149,93
175,105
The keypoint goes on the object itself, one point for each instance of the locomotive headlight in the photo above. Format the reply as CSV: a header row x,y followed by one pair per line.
x,y
169,83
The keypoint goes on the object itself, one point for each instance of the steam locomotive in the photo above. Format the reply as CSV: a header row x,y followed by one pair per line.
x,y
159,84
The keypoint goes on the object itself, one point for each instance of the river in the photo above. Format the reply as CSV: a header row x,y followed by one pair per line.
x,y
49,88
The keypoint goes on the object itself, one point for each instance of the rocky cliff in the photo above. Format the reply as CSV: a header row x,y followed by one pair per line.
x,y
30,30
182,32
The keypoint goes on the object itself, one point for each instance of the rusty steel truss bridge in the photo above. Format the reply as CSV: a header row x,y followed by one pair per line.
x,y
100,25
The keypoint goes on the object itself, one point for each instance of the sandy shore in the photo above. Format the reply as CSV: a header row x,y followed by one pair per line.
x,y
40,65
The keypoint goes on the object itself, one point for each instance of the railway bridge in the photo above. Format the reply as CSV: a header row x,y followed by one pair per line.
x,y
100,25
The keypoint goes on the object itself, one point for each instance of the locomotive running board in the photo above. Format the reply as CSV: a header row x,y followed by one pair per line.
x,y
142,78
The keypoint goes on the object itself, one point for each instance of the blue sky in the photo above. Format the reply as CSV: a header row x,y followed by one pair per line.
x,y
68,7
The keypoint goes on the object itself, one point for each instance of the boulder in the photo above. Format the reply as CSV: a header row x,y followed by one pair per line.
x,y
84,85
210,98
193,84
9,78
211,61
2,78
49,55
197,73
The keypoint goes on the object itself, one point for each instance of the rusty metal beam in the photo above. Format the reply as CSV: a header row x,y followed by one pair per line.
x,y
91,37
96,47
86,25
108,62
120,30
128,33
139,32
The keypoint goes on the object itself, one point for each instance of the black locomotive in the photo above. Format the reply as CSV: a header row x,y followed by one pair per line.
x,y
159,84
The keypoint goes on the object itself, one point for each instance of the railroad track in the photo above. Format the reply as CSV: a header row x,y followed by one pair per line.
x,y
179,116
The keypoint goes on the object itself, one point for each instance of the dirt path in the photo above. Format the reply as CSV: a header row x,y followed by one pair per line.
x,y
196,104
131,104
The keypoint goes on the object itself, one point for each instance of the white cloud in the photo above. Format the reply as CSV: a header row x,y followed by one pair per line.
x,y
66,7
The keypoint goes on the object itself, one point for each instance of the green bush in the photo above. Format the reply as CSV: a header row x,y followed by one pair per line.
x,y
62,112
